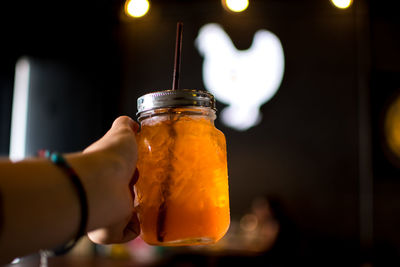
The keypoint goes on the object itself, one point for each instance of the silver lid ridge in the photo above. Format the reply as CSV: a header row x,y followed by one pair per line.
x,y
175,98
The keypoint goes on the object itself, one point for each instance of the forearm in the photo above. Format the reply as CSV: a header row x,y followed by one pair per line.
x,y
40,207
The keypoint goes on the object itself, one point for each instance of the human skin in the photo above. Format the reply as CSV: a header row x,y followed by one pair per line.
x,y
41,209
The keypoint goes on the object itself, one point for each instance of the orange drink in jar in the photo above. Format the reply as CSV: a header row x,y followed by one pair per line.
x,y
182,193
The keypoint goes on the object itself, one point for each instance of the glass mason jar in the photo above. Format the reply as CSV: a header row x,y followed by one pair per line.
x,y
182,192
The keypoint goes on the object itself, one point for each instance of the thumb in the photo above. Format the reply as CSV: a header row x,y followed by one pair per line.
x,y
124,121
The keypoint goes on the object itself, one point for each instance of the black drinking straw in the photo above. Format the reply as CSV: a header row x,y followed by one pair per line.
x,y
178,53
165,185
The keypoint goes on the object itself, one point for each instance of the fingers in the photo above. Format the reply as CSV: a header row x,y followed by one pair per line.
x,y
118,233
119,144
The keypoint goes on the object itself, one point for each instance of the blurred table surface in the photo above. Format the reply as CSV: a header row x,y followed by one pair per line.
x,y
77,261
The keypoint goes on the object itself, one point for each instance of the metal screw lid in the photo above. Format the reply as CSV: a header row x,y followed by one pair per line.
x,y
175,98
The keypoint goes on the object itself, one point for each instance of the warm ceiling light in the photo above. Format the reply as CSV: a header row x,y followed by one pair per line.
x,y
235,5
137,8
342,3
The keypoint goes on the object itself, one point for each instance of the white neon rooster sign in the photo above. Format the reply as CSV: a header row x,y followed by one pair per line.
x,y
242,79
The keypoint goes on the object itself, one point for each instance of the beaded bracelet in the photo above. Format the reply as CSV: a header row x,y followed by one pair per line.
x,y
60,161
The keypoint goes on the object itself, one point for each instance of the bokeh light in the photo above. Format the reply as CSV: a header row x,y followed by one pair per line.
x,y
342,3
137,8
235,5
392,127
249,222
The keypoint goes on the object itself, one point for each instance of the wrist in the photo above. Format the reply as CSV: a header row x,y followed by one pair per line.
x,y
80,192
95,170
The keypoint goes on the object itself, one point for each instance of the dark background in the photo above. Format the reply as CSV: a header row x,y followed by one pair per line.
x,y
318,150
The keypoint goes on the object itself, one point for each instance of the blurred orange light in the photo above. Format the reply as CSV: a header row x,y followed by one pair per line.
x,y
342,3
392,127
235,5
137,8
